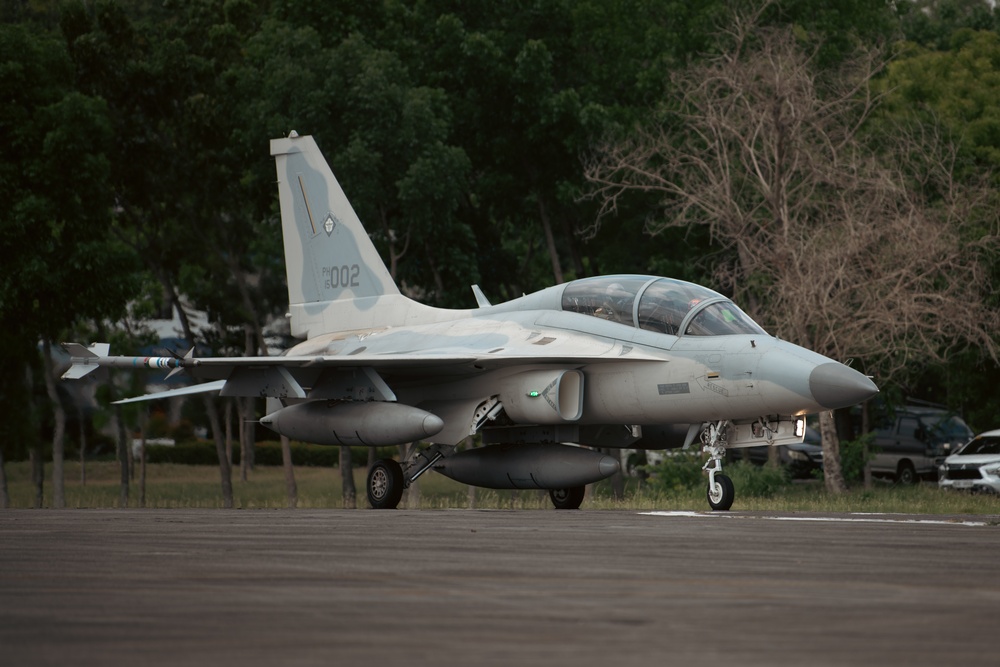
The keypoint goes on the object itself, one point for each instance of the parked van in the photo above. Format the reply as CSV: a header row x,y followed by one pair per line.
x,y
912,442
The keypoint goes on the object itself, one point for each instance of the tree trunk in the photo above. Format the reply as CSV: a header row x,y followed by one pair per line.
x,y
347,477
413,495
618,479
122,458
391,238
253,330
412,491
83,448
244,455
247,433
469,444
227,416
773,458
38,475
248,430
142,470
130,454
550,241
35,450
59,434
574,249
866,428
225,470
832,472
435,274
291,487
218,434
4,493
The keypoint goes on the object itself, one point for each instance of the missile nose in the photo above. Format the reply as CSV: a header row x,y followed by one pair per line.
x,y
432,425
608,466
834,385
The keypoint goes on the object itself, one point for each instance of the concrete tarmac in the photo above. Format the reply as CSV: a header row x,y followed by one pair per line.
x,y
461,587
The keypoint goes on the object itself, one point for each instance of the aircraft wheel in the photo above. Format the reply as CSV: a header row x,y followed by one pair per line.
x,y
720,496
568,499
385,484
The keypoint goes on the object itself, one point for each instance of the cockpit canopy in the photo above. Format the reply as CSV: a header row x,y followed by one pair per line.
x,y
663,305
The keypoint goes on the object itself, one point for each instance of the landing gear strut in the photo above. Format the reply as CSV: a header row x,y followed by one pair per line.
x,y
720,488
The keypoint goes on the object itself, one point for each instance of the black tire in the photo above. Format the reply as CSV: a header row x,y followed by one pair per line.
x,y
906,474
724,494
568,499
385,484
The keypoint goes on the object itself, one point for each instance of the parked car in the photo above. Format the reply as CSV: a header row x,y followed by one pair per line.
x,y
913,442
974,467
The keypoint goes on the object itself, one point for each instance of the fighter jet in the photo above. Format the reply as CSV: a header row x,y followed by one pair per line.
x,y
607,362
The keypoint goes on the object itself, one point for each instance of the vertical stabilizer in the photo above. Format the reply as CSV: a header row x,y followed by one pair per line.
x,y
328,255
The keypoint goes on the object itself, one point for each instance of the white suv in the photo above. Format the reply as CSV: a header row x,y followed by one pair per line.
x,y
975,467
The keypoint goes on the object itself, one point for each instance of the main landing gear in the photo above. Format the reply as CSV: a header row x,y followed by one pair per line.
x,y
387,479
720,488
385,484
568,499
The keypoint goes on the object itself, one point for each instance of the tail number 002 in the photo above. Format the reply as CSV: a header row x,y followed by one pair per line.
x,y
335,277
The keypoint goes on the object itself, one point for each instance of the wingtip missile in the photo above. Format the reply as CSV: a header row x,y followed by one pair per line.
x,y
85,360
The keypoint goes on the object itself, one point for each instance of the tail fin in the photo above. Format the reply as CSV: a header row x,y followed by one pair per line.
x,y
84,360
328,255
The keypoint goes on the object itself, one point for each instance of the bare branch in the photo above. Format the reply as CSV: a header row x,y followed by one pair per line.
x,y
855,251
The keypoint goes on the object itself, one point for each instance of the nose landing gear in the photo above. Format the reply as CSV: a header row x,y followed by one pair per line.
x,y
721,491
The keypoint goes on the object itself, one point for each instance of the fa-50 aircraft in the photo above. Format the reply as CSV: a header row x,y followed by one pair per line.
x,y
609,362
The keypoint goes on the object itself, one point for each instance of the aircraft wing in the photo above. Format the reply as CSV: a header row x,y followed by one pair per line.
x,y
405,362
357,376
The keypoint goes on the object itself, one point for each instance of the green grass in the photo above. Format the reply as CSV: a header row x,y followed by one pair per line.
x,y
183,486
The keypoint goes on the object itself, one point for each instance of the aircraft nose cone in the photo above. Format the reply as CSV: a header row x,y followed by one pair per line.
x,y
608,466
432,425
835,386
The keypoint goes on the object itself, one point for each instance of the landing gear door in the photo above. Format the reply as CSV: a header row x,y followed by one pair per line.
x,y
767,431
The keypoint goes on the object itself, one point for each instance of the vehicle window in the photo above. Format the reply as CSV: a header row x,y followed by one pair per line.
x,y
908,426
982,445
949,429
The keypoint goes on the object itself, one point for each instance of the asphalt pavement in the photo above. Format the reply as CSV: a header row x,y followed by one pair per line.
x,y
461,587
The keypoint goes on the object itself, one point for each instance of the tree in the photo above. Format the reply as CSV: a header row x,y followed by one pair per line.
x,y
159,96
59,263
954,89
856,246
931,23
